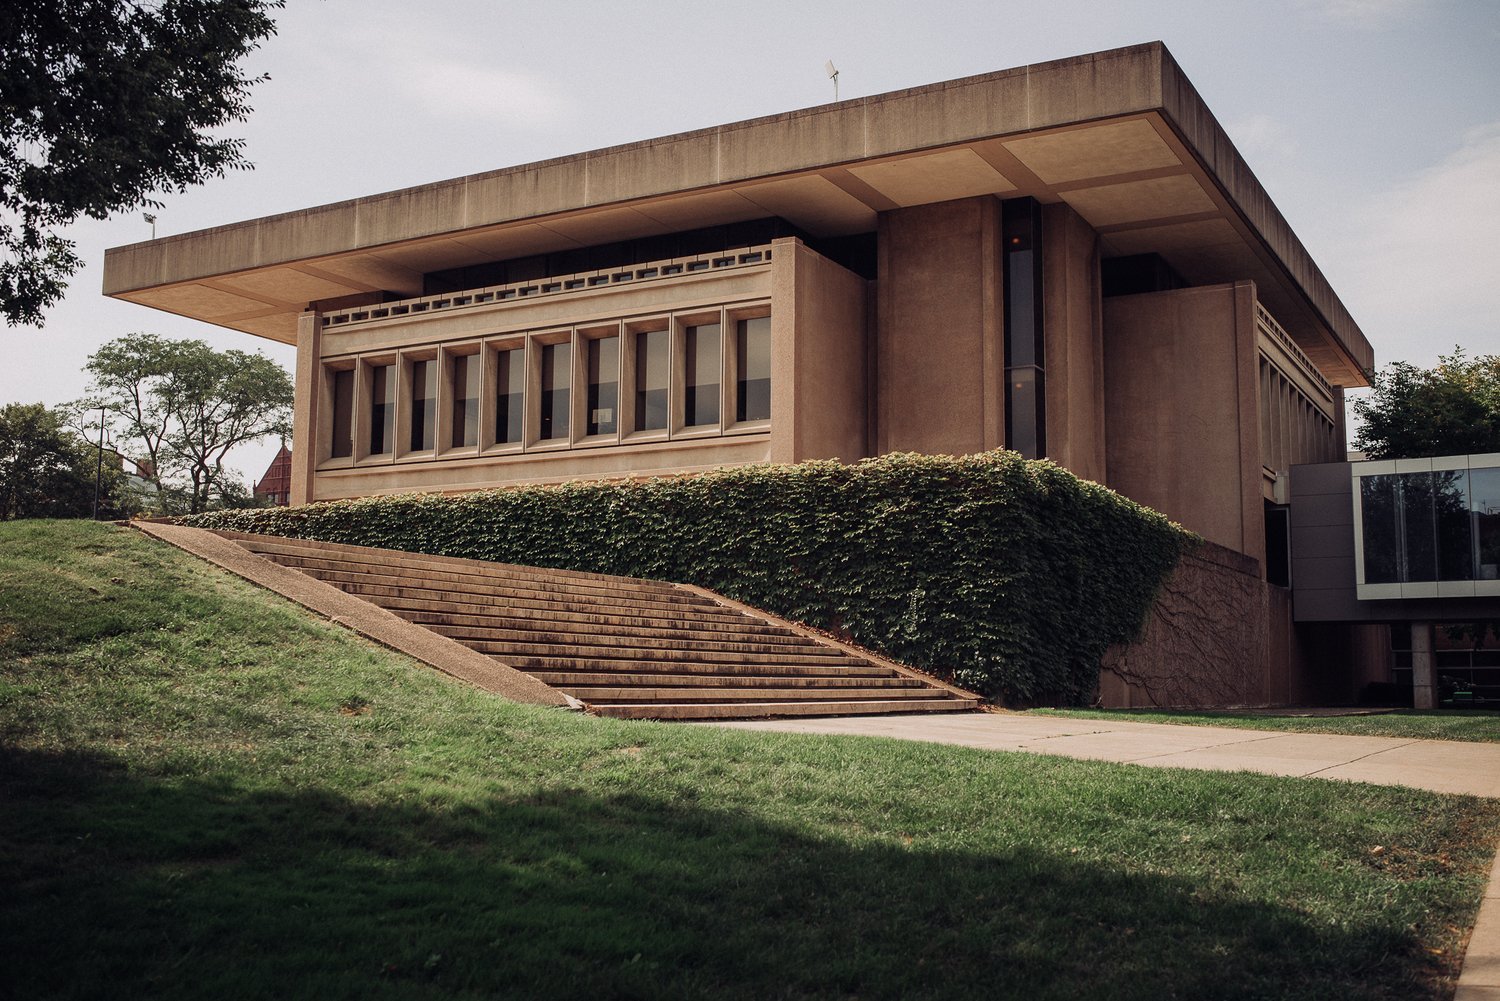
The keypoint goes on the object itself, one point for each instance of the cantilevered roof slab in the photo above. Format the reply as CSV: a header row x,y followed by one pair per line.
x,y
1121,136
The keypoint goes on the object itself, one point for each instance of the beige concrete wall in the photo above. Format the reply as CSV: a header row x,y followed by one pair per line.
x,y
820,398
1181,422
667,458
307,448
818,366
1073,320
940,329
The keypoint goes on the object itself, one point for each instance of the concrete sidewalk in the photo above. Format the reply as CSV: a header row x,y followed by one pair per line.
x,y
1437,765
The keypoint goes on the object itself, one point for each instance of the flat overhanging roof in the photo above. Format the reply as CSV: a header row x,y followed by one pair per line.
x,y
1121,136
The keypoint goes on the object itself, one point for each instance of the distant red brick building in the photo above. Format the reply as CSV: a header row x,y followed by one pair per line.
x,y
276,484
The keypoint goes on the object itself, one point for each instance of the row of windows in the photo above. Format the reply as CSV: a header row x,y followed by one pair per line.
x,y
690,375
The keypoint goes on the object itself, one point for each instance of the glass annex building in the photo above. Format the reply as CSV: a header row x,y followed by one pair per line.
x,y
1428,528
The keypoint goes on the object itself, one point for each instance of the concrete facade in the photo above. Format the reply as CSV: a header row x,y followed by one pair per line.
x,y
947,269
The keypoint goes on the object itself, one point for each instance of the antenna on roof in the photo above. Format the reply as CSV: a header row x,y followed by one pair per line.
x,y
833,74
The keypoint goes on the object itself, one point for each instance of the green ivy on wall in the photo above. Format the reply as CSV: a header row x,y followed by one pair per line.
x,y
1009,576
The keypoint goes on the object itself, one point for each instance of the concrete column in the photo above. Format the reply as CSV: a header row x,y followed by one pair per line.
x,y
305,444
1423,681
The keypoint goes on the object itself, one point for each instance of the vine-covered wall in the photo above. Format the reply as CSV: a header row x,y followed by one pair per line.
x,y
1008,576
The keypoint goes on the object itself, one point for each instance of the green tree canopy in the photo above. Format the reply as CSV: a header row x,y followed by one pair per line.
x,y
102,104
47,471
1413,413
186,406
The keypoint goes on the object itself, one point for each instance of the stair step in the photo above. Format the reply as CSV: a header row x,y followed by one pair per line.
x,y
701,654
672,605
560,615
669,679
757,710
483,582
268,545
529,663
687,628
643,694
409,599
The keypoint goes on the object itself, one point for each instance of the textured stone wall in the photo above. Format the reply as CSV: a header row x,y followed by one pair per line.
x,y
1207,642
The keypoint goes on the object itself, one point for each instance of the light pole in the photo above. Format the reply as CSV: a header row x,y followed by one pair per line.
x,y
99,465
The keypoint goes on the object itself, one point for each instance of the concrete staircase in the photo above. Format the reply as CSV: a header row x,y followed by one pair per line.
x,y
625,647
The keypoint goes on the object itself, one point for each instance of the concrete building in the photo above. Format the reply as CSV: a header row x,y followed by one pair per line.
x,y
1069,259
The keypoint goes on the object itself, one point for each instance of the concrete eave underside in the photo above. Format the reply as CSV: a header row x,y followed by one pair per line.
x,y
1121,136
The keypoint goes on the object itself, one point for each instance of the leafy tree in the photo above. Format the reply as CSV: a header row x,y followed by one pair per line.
x,y
102,104
1413,413
47,471
186,406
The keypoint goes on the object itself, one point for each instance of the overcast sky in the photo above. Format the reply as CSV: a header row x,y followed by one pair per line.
x,y
1373,124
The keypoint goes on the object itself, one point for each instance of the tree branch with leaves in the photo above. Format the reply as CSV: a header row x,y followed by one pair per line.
x,y
102,104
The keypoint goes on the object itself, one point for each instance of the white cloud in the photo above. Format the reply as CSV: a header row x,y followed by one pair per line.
x,y
440,75
487,93
1421,268
1370,14
1264,139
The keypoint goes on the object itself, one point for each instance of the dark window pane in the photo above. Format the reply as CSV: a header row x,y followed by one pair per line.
x,y
1419,530
465,392
557,381
1377,499
1020,301
423,405
382,408
343,413
1484,503
701,395
753,359
1278,547
1455,539
1023,391
604,385
651,367
510,382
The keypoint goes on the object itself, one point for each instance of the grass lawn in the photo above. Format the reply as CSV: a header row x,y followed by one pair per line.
x,y
205,793
1430,724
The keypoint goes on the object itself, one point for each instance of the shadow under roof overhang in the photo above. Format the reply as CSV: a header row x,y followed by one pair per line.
x,y
1121,136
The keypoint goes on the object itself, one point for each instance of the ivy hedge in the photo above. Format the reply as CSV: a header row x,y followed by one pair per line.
x,y
1011,577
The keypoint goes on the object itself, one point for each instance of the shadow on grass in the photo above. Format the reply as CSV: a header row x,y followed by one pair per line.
x,y
121,884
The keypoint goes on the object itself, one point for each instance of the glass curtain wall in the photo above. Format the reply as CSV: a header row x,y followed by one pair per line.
x,y
1420,527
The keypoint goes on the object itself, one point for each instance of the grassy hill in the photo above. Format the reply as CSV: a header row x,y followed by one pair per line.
x,y
206,793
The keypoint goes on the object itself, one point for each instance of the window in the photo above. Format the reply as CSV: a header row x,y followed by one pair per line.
x,y
752,390
702,366
510,395
382,408
423,424
603,399
464,392
651,368
1428,532
1025,365
556,382
343,413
